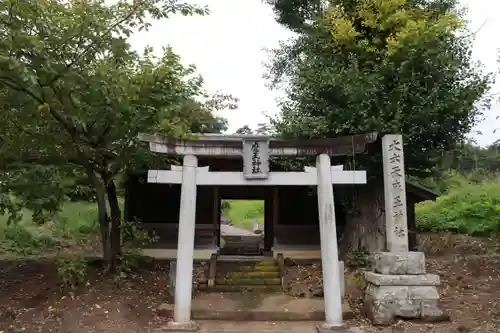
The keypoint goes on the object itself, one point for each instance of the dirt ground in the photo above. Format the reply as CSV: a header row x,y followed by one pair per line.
x,y
31,299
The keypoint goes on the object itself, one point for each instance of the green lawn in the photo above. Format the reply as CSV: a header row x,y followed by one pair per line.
x,y
243,212
74,225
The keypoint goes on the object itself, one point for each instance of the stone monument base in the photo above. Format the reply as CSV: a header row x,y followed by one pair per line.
x,y
400,287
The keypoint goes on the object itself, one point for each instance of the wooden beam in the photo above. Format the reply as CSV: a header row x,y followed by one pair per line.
x,y
275,178
231,146
334,168
199,169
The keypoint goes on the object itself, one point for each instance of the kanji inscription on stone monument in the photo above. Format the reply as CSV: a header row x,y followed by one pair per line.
x,y
395,193
256,158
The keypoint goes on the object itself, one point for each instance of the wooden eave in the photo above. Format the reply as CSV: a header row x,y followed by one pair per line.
x,y
420,192
232,145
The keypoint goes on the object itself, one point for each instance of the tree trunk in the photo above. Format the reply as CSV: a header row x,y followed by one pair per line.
x,y
101,212
365,227
115,234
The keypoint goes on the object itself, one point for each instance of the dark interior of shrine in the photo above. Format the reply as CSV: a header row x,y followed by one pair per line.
x,y
297,205
159,204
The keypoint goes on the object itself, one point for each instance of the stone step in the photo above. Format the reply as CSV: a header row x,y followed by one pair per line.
x,y
247,288
248,306
249,274
241,252
245,258
256,263
244,282
253,273
247,269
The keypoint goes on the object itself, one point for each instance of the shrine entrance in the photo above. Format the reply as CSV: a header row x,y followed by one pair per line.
x,y
246,220
250,164
255,173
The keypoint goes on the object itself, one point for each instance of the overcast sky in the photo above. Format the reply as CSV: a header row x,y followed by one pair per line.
x,y
227,48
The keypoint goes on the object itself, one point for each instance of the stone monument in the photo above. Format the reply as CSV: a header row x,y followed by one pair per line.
x,y
256,228
399,285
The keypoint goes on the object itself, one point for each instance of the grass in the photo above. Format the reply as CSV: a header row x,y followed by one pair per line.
x,y
76,224
242,213
71,227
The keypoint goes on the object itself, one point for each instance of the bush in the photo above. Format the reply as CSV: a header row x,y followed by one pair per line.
x,y
471,209
357,259
135,238
81,193
451,180
75,222
225,205
72,272
20,240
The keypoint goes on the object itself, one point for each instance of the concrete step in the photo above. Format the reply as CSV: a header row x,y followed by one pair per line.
x,y
245,282
254,273
242,252
249,262
243,258
247,269
249,274
247,306
247,288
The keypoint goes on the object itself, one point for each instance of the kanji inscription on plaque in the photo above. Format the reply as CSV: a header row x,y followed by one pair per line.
x,y
256,158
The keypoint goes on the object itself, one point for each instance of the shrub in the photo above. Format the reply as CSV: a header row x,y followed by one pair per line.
x,y
20,240
357,259
451,180
225,205
471,209
72,271
75,221
135,238
81,192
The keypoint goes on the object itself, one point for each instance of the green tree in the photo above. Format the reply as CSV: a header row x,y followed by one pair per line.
x,y
262,129
244,130
76,95
296,15
390,66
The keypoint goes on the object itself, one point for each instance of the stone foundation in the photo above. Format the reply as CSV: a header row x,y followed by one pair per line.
x,y
325,329
400,287
179,327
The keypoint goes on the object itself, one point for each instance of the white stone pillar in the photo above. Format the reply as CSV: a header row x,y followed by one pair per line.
x,y
185,243
396,224
329,248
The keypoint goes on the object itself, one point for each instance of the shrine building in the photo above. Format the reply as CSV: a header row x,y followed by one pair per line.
x,y
291,206
182,203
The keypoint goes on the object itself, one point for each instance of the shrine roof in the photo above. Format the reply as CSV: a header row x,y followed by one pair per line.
x,y
421,193
225,145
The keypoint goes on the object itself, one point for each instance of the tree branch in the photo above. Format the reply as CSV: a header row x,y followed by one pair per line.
x,y
9,82
137,5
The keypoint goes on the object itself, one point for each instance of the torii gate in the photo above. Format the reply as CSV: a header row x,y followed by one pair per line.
x,y
255,151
